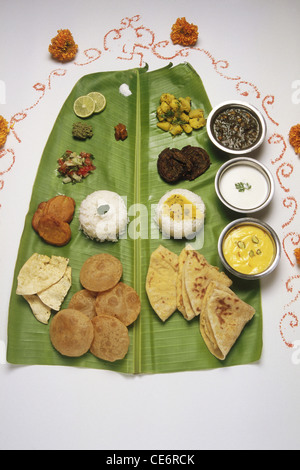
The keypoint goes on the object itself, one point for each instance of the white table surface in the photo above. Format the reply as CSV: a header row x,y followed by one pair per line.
x,y
246,50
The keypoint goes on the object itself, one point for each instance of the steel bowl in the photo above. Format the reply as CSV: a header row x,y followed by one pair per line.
x,y
262,128
237,205
262,225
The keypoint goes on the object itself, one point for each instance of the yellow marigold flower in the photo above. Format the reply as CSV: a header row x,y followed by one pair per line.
x,y
4,130
297,254
184,33
63,47
294,137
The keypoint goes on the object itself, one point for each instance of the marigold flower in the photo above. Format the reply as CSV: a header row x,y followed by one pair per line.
x,y
294,137
4,130
63,47
297,254
184,33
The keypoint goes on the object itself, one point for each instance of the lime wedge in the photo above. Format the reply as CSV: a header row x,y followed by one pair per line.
x,y
99,99
84,106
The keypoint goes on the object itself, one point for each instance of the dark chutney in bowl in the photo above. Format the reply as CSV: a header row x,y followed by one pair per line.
x,y
236,127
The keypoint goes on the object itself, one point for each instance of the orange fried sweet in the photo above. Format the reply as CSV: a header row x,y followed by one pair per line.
x,y
53,230
51,220
37,215
61,206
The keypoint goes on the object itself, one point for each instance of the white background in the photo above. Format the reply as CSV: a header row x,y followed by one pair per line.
x,y
248,407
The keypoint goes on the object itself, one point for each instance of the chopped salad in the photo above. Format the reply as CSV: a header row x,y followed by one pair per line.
x,y
73,168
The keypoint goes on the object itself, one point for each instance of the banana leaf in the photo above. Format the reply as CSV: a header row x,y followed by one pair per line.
x,y
129,168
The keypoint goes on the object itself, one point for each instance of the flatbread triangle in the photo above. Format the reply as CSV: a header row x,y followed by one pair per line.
x,y
223,319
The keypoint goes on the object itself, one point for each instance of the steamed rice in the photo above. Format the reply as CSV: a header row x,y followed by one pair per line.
x,y
103,216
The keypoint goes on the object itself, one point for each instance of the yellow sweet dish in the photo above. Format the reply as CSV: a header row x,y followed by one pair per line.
x,y
248,249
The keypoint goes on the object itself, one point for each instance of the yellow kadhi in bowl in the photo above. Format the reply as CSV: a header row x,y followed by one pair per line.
x,y
249,248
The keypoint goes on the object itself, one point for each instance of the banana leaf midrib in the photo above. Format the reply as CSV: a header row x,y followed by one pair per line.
x,y
137,242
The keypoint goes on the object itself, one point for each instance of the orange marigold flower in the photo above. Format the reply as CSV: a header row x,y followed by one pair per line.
x,y
4,130
294,137
63,47
297,254
184,33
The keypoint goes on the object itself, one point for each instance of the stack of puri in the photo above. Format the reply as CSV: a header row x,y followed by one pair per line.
x,y
188,283
98,316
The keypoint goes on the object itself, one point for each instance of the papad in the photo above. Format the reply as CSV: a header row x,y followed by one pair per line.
x,y
40,272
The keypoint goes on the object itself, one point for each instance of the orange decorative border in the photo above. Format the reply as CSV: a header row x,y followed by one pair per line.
x,y
132,40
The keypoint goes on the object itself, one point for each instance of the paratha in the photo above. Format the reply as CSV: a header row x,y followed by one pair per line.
x,y
198,273
161,282
223,318
183,301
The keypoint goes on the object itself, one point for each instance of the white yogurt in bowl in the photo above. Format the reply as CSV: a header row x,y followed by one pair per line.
x,y
244,185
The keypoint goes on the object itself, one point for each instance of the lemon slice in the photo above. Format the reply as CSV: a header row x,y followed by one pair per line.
x,y
99,99
84,106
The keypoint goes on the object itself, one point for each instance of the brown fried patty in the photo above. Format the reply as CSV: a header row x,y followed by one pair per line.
x,y
187,164
198,159
170,168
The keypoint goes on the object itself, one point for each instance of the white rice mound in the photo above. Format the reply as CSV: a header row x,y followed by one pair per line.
x,y
103,216
186,228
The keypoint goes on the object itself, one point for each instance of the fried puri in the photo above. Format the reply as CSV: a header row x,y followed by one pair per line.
x,y
122,302
111,338
101,272
71,333
84,300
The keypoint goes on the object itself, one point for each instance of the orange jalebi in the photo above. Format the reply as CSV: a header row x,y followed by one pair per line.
x,y
63,47
184,33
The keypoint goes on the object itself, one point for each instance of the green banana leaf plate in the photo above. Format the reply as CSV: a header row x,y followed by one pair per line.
x,y
129,168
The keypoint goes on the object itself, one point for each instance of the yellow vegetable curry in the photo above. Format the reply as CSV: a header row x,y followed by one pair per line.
x,y
178,208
